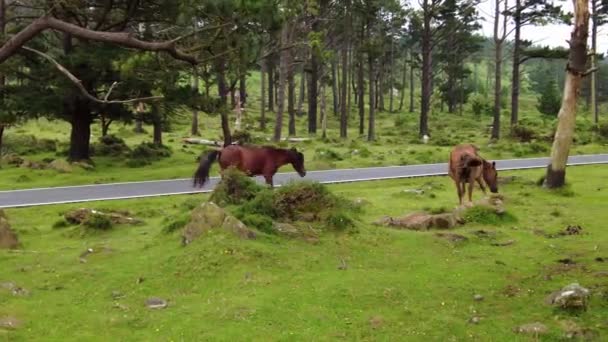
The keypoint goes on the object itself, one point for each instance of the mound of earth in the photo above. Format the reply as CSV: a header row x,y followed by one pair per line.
x,y
82,215
209,216
426,221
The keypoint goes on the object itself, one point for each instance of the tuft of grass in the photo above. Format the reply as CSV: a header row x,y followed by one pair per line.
x,y
487,215
98,222
235,188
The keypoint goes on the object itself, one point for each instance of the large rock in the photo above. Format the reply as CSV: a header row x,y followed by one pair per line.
x,y
61,166
12,159
8,238
28,164
572,296
210,216
79,216
421,221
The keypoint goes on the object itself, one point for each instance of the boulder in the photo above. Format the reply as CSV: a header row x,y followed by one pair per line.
x,y
210,216
8,238
61,166
79,216
572,296
12,159
421,221
28,164
285,229
84,165
233,225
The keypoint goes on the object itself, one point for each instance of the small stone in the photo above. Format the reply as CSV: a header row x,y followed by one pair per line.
x,y
535,329
156,303
117,294
474,320
572,296
478,297
10,322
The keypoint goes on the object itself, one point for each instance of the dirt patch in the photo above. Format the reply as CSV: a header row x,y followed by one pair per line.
x,y
455,238
10,322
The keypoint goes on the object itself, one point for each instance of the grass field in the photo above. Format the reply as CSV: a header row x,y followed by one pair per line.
x,y
398,285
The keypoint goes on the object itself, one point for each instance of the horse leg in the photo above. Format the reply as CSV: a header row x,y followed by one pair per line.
x,y
459,191
269,180
483,187
471,183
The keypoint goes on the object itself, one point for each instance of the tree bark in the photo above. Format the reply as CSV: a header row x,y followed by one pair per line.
x,y
79,111
577,61
302,93
283,71
345,83
334,85
391,78
194,131
270,70
157,125
498,44
1,136
403,80
381,76
291,94
323,112
223,94
412,109
2,77
312,93
243,88
593,90
425,100
263,96
516,64
371,129
361,96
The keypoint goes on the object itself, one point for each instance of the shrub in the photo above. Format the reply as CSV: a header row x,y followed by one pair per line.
x,y
28,144
603,131
339,221
550,100
522,133
98,222
327,154
110,145
235,188
487,215
146,153
480,105
259,222
262,204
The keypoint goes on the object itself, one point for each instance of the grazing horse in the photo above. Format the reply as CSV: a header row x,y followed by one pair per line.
x,y
466,166
251,160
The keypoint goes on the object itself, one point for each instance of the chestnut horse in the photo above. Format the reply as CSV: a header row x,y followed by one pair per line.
x,y
466,166
251,160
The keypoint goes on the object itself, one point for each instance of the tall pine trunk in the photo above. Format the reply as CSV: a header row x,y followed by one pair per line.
x,y
270,69
403,80
345,83
302,93
323,112
593,90
291,90
577,61
412,109
381,76
391,78
498,45
334,85
283,74
157,125
425,99
80,134
361,89
2,77
313,80
222,89
371,129
194,128
263,96
516,65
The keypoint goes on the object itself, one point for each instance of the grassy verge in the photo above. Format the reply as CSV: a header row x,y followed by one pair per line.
x,y
397,284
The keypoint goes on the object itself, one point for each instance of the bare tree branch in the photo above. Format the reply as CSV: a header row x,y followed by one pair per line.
x,y
78,82
121,38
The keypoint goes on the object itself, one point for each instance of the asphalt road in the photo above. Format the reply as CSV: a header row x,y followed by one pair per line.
x,y
85,193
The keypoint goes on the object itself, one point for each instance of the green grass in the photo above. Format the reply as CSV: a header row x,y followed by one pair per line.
x,y
398,285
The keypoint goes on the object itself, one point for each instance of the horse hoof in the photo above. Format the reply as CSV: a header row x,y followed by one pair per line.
x,y
469,204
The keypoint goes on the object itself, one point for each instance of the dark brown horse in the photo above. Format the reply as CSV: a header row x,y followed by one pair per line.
x,y
466,166
251,160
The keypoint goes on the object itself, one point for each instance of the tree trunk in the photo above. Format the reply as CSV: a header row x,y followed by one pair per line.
x,y
283,71
593,90
334,85
391,78
412,109
270,65
403,80
361,90
312,94
243,88
516,64
371,129
157,125
139,125
291,94
194,128
302,93
323,112
577,61
263,96
223,94
380,89
345,68
2,77
105,125
1,136
425,100
498,44
79,111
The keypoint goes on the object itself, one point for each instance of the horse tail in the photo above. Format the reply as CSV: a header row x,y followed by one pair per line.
x,y
467,161
202,173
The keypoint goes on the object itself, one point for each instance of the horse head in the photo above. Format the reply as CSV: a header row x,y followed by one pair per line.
x,y
490,175
297,161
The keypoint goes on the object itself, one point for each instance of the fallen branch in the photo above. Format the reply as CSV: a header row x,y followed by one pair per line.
x,y
82,89
198,141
